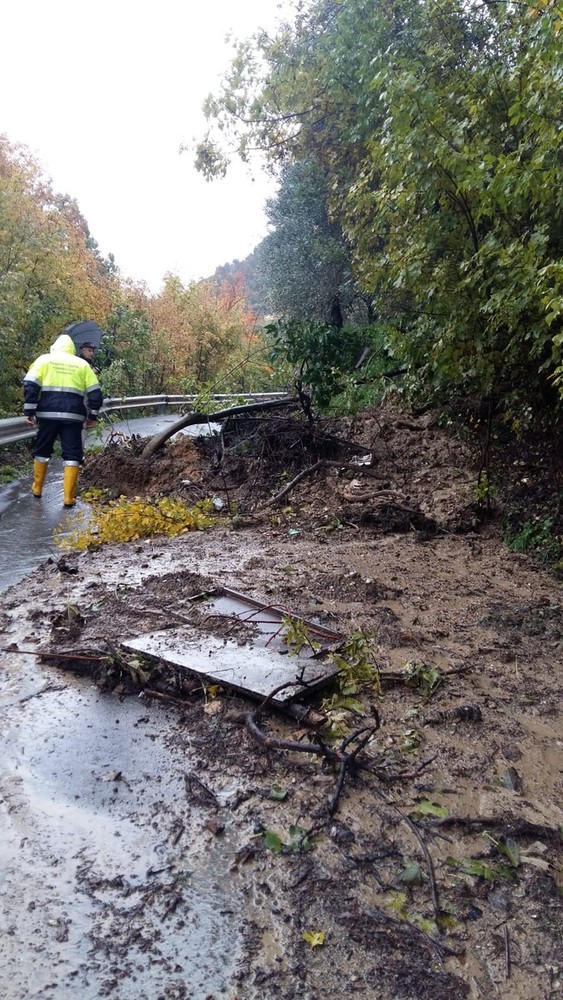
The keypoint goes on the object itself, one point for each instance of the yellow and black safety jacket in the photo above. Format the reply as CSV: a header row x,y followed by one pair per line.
x,y
61,386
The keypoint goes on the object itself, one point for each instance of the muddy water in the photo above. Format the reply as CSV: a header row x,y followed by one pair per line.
x,y
100,857
27,525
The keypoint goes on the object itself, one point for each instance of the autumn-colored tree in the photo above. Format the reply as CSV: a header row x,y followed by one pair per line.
x,y
196,330
127,358
50,271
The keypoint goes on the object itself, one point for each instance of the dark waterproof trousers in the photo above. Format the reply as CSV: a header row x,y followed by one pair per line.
x,y
70,434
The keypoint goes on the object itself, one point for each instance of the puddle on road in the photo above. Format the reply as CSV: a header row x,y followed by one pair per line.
x,y
28,524
104,868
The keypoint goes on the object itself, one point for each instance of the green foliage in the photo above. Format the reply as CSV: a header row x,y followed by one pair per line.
x,y
355,662
508,847
484,491
299,840
492,872
411,874
465,181
532,535
423,677
325,358
358,391
340,710
398,904
435,126
304,262
537,536
273,842
14,461
124,520
8,473
356,671
296,635
425,807
126,359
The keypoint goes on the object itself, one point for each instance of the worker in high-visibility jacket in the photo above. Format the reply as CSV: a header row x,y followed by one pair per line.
x,y
61,394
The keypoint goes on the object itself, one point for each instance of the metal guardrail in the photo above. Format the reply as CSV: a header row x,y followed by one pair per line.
x,y
15,429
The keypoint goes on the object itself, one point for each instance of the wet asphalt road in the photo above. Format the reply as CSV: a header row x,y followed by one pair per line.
x,y
27,524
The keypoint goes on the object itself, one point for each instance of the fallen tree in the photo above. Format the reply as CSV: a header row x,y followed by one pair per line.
x,y
190,419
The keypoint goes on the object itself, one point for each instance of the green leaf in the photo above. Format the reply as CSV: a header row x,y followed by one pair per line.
x,y
427,926
411,874
273,842
511,849
300,839
424,807
491,873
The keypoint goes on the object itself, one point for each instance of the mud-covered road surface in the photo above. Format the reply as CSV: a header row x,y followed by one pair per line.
x,y
154,847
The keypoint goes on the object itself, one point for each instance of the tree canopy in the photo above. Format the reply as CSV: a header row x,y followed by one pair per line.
x,y
305,261
437,125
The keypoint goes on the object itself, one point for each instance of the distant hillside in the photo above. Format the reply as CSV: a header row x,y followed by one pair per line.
x,y
246,269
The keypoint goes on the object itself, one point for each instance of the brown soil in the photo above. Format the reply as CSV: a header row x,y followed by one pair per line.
x,y
467,636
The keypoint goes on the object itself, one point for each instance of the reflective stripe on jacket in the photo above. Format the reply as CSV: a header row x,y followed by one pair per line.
x,y
57,385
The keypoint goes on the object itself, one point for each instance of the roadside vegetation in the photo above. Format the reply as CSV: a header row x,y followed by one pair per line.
x,y
14,461
408,298
419,156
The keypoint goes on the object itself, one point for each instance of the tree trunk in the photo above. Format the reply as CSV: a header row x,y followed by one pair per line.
x,y
190,419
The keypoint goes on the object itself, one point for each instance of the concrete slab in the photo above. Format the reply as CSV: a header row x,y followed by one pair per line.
x,y
255,667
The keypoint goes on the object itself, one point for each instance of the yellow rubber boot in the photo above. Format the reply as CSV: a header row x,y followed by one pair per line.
x,y
39,473
70,480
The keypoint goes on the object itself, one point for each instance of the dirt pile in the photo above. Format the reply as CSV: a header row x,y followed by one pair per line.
x,y
384,470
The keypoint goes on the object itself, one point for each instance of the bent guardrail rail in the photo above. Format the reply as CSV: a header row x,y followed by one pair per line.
x,y
15,429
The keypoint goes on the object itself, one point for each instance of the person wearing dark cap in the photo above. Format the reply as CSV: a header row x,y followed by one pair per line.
x,y
61,394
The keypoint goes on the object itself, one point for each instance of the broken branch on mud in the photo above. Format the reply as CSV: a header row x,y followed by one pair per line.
x,y
67,654
506,824
323,463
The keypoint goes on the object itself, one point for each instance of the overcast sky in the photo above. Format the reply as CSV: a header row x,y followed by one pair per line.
x,y
104,94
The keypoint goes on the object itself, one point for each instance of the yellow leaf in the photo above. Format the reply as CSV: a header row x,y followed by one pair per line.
x,y
314,938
